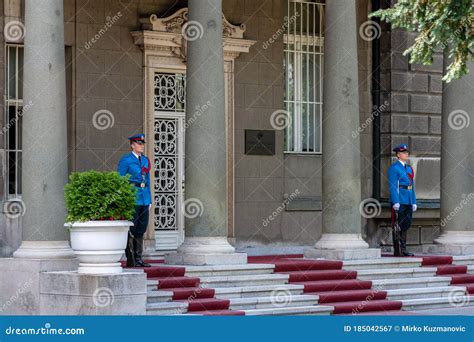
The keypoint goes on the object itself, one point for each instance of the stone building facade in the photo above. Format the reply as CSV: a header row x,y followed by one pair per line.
x,y
275,201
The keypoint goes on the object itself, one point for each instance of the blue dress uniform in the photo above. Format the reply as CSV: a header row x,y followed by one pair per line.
x,y
402,195
138,167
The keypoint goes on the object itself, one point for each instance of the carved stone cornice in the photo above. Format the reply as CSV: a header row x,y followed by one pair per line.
x,y
175,22
164,36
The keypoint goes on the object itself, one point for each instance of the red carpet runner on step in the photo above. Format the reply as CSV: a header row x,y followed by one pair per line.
x,y
334,286
446,268
325,278
187,289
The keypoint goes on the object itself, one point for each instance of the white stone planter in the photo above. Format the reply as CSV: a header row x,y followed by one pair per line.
x,y
99,245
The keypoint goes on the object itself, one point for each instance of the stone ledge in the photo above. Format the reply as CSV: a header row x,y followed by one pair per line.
x,y
20,283
71,293
343,254
465,249
74,283
90,305
205,259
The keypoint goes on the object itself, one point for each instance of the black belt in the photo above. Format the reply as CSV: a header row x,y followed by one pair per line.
x,y
406,187
138,185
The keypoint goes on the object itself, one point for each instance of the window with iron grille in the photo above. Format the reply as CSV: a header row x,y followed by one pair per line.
x,y
303,63
13,119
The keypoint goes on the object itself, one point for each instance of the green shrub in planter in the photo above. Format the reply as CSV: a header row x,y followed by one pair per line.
x,y
94,195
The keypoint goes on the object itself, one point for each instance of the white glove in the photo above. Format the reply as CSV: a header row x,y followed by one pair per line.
x,y
396,206
149,206
414,207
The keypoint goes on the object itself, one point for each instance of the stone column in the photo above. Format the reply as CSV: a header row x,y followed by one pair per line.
x,y
457,167
44,169
205,143
341,173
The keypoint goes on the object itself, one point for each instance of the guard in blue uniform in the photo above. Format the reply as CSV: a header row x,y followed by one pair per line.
x,y
138,167
402,194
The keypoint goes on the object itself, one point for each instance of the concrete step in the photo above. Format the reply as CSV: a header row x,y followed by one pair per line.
x,y
463,260
297,310
406,283
170,308
159,296
423,292
384,262
437,302
244,280
151,284
402,272
470,268
284,301
257,291
225,270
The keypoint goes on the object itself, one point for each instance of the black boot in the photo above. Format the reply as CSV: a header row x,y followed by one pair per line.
x,y
403,242
138,244
129,251
396,243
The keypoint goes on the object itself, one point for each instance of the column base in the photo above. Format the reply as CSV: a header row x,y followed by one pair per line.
x,y
342,247
456,237
343,254
453,242
44,250
205,251
72,293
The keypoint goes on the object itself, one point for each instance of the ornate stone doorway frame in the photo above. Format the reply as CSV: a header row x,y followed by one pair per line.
x,y
164,50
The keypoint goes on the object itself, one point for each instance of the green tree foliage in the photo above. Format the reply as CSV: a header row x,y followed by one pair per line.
x,y
445,24
94,195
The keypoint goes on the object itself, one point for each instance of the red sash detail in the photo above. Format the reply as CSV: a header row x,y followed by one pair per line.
x,y
147,168
411,174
